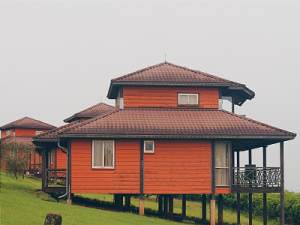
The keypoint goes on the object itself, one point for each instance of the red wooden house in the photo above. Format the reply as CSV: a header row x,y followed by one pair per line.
x,y
55,158
22,131
168,135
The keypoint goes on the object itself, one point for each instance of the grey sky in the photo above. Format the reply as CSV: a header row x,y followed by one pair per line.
x,y
57,58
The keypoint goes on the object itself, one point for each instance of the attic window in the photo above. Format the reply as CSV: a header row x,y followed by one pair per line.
x,y
148,146
187,99
8,133
38,132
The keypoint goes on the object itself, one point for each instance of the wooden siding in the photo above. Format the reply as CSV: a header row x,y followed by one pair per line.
x,y
124,179
61,159
3,133
26,132
222,190
166,97
178,167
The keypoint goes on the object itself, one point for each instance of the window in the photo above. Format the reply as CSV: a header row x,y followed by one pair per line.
x,y
149,146
188,99
222,163
103,154
38,132
8,133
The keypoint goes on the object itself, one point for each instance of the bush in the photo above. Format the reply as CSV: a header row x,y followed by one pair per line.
x,y
15,157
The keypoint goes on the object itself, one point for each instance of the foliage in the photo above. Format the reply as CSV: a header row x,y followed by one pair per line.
x,y
16,158
291,202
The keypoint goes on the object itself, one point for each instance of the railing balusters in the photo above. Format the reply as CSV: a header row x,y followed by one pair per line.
x,y
257,177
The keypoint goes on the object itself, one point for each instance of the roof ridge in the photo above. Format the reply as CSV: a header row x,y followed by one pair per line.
x,y
258,123
139,71
90,120
16,122
180,67
101,103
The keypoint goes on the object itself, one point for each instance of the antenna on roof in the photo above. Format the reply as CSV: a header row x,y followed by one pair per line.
x,y
165,57
100,99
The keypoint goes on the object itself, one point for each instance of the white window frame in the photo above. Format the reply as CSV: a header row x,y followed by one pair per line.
x,y
103,167
51,156
8,133
227,168
149,151
37,132
188,104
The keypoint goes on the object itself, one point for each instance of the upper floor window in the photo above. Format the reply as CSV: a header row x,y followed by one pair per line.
x,y
149,146
103,154
187,99
8,133
38,132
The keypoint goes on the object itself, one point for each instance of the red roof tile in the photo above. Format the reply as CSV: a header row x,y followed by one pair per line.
x,y
90,112
23,140
27,122
174,123
51,135
170,74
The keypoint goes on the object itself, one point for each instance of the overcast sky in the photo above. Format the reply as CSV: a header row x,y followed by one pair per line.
x,y
57,58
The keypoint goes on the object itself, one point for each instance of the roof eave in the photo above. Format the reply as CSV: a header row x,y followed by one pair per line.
x,y
283,137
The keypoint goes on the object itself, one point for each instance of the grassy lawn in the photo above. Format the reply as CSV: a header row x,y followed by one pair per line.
x,y
21,203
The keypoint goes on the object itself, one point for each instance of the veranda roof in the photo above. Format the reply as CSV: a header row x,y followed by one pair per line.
x,y
175,123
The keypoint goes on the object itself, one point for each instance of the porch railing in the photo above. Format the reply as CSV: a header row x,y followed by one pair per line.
x,y
256,177
56,176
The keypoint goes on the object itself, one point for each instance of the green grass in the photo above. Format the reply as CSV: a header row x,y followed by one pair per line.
x,y
21,203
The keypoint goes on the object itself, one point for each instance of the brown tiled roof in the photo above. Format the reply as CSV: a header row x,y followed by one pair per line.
x,y
27,122
51,135
23,140
170,74
174,123
91,112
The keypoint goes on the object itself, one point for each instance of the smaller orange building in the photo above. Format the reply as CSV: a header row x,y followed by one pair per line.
x,y
22,131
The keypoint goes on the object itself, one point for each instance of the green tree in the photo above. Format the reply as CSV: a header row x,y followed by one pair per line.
x,y
16,158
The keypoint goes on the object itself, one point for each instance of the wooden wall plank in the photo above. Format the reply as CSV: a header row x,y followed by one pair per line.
x,y
149,96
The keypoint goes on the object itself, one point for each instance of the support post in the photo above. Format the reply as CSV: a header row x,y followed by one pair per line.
x,y
220,209
232,105
203,207
171,206
238,197
34,161
119,201
141,205
213,189
127,202
212,210
264,178
250,194
160,202
44,167
55,166
69,199
282,183
183,206
166,206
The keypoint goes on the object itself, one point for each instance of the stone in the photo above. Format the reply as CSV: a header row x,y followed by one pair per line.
x,y
53,219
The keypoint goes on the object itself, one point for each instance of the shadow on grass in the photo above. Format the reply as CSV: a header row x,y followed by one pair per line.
x,y
106,205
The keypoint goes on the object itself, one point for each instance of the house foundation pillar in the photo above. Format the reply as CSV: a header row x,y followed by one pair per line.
x,y
212,210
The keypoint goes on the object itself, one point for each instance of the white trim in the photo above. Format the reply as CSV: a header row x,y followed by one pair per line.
x,y
8,133
37,132
188,95
103,167
153,146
